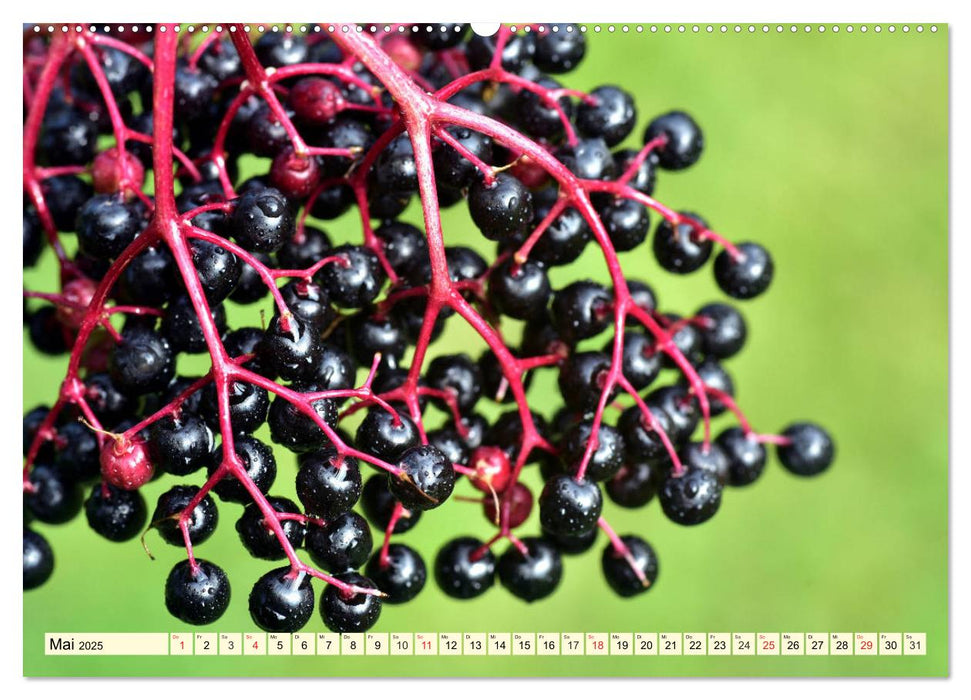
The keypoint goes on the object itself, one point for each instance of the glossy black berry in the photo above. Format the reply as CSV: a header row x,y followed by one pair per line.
x,y
534,575
355,280
507,431
745,455
107,224
385,435
386,205
303,249
394,169
607,457
560,51
686,338
218,269
248,405
181,445
54,497
149,279
427,480
404,245
141,363
281,600
627,223
458,575
220,60
475,426
378,504
201,194
746,275
327,484
723,330
114,513
65,195
713,376
642,441
409,314
401,577
344,132
109,404
684,144
455,170
611,115
277,49
191,404
38,560
501,208
495,385
681,249
251,287
202,521
680,408
519,290
644,177
569,507
335,369
295,430
290,348
350,613
633,574
68,138
636,483
194,90
245,341
258,462
449,441
712,459
259,539
308,302
589,159
181,328
690,498
516,53
197,597
539,118
810,452
581,379
370,334
457,375
342,544
641,361
564,239
47,333
581,310
79,454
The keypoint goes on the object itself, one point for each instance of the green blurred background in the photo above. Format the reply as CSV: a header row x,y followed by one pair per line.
x,y
832,151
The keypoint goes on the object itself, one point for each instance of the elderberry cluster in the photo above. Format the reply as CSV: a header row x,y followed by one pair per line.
x,y
263,159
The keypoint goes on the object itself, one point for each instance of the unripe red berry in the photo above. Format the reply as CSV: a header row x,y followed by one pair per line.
x,y
403,52
492,468
294,175
79,293
316,100
530,173
520,500
114,170
125,463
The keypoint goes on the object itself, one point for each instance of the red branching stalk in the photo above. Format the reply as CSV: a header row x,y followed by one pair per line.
x,y
423,116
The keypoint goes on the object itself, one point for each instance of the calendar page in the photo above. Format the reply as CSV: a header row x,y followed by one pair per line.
x,y
487,350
